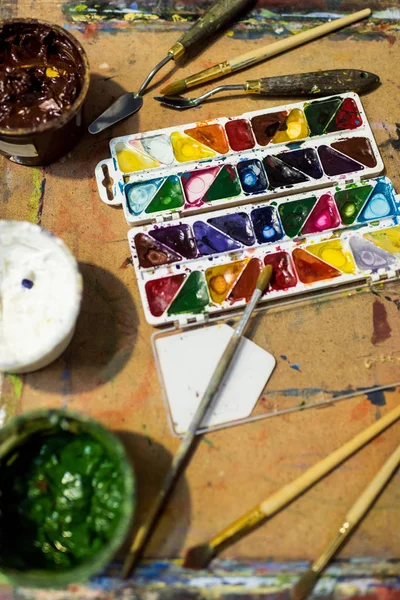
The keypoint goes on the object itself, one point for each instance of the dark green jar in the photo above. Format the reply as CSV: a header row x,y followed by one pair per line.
x,y
67,497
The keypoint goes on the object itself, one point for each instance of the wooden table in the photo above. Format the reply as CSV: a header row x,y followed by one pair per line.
x,y
109,371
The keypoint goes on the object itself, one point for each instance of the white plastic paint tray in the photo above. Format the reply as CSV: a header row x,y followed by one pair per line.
x,y
301,194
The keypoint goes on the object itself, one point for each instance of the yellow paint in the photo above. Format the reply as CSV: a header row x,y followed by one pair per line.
x,y
296,128
388,239
186,148
131,160
36,194
334,254
222,278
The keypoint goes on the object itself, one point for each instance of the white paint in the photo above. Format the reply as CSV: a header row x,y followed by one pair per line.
x,y
187,362
36,324
159,147
104,66
26,150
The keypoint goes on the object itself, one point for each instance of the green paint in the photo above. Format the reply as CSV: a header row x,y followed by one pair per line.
x,y
36,194
209,442
225,185
193,297
60,504
16,384
320,114
168,197
294,214
350,202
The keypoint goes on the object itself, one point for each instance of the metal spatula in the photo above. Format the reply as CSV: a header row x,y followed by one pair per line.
x,y
319,83
217,16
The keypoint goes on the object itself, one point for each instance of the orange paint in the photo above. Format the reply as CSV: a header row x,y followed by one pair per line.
x,y
310,269
212,136
362,410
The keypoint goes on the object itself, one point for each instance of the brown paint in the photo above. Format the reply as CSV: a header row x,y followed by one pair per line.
x,y
381,327
212,136
358,148
266,126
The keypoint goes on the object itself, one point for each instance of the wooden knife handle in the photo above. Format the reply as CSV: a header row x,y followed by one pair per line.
x,y
216,17
319,83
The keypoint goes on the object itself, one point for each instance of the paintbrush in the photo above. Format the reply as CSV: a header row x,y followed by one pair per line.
x,y
260,54
184,452
199,557
354,516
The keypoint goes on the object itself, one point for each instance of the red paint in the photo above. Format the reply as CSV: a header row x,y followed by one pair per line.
x,y
247,282
161,292
381,327
240,134
283,276
323,216
311,269
347,117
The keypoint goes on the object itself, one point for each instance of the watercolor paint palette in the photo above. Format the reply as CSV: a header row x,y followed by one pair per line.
x,y
208,263
225,162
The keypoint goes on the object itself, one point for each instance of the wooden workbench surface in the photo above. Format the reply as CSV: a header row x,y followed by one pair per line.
x,y
108,371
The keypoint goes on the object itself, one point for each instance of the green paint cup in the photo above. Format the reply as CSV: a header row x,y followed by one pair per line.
x,y
61,467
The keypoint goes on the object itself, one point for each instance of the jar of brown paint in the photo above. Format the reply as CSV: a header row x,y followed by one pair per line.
x,y
44,79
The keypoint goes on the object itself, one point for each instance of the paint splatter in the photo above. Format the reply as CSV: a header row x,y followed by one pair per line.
x,y
35,204
294,366
377,398
16,384
381,327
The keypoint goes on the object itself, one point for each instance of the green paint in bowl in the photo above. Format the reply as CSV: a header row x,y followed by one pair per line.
x,y
67,496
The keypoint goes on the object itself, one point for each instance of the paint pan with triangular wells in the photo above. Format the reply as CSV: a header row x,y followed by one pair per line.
x,y
225,162
297,187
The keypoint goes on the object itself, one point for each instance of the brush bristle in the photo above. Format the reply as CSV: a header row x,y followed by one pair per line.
x,y
264,278
199,557
174,89
304,586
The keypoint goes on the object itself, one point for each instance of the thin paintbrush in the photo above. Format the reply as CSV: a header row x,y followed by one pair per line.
x,y
199,557
357,512
259,54
183,453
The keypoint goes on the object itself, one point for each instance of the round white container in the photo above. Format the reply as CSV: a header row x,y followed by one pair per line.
x,y
40,297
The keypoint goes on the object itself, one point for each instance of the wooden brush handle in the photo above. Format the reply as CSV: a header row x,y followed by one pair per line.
x,y
216,17
373,489
318,83
257,55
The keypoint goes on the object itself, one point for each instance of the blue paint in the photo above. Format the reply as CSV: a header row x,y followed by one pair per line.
x,y
283,357
139,195
237,226
381,202
377,398
27,283
296,367
266,223
211,241
252,176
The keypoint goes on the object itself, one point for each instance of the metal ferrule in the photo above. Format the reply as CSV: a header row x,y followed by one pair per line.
x,y
253,86
177,50
240,527
208,74
332,548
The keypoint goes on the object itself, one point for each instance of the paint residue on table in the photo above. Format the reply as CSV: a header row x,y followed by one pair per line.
x,y
381,328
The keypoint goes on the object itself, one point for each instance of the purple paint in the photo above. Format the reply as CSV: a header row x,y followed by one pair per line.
x,y
212,241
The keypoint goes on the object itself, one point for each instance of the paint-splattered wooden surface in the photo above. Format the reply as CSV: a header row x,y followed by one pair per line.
x,y
109,370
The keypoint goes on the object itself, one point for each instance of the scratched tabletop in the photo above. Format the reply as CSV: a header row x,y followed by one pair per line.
x,y
109,372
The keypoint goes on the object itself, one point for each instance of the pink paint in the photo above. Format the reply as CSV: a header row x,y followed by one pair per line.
x,y
240,134
323,216
197,184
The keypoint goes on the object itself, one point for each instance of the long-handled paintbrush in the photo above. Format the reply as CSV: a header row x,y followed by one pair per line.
x,y
262,53
183,454
199,557
357,512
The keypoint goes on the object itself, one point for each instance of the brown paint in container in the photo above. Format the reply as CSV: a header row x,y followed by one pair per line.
x,y
44,79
